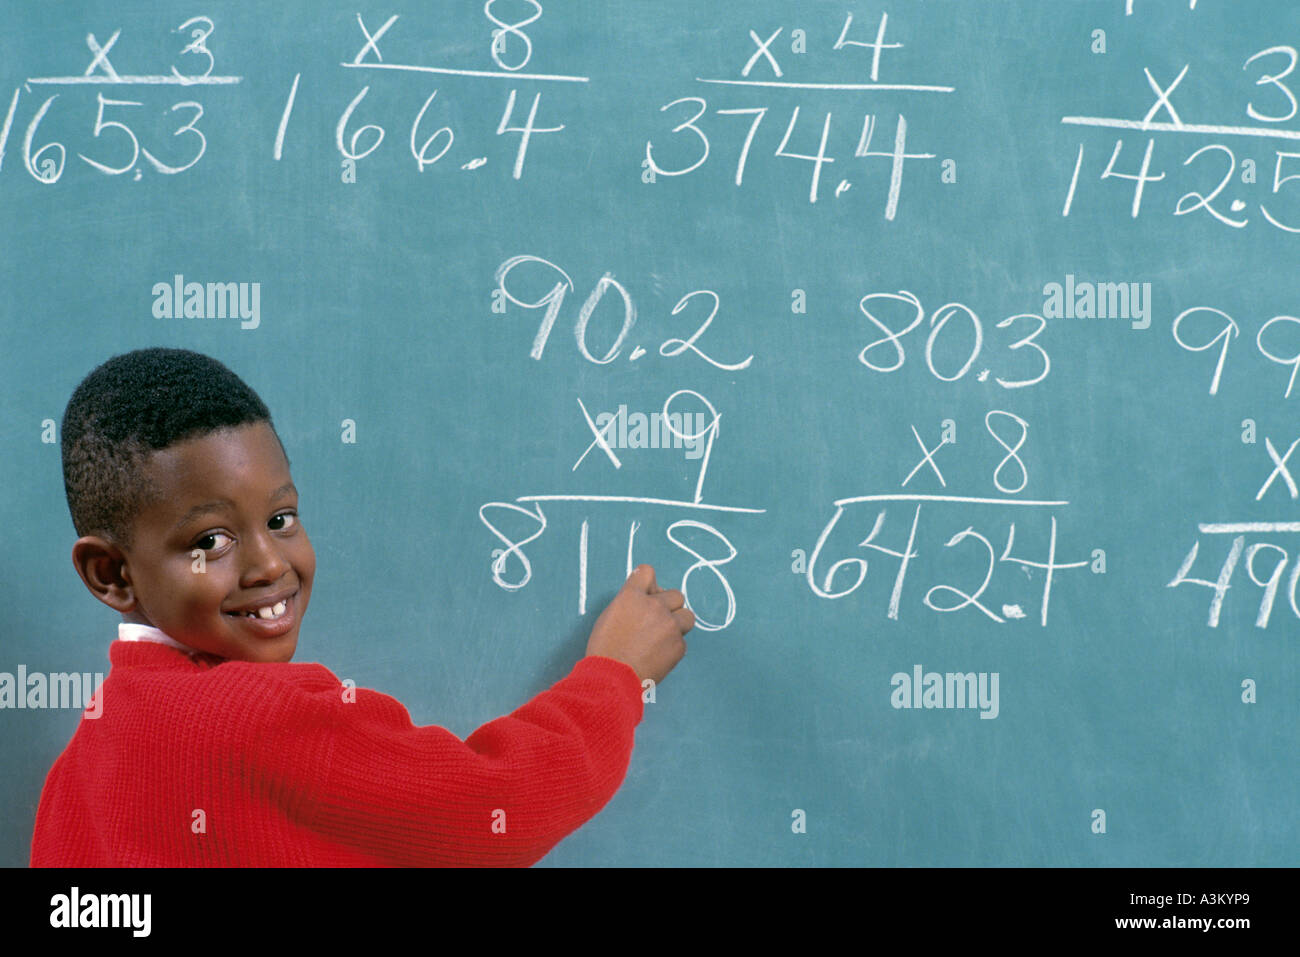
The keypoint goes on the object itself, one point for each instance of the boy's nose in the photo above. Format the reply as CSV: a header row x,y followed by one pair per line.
x,y
263,560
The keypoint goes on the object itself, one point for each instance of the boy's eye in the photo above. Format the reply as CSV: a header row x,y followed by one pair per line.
x,y
215,540
286,520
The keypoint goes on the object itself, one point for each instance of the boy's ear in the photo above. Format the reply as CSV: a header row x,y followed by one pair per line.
x,y
102,566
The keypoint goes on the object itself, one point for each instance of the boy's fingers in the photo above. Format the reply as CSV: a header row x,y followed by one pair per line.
x,y
684,619
672,598
642,579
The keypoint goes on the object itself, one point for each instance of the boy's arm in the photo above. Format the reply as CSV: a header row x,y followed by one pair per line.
x,y
502,797
519,784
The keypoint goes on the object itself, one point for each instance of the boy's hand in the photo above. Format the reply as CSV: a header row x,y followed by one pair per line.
x,y
643,626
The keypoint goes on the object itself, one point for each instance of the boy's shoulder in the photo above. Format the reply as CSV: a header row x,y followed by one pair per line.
x,y
154,682
150,661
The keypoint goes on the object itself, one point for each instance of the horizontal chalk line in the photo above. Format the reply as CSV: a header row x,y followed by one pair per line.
x,y
640,501
905,87
499,74
1233,528
1107,121
130,79
963,499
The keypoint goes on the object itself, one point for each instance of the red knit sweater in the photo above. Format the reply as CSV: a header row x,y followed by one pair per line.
x,y
199,761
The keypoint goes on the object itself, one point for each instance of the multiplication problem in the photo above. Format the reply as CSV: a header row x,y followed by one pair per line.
x,y
1220,171
510,49
1266,563
691,145
112,124
835,579
709,547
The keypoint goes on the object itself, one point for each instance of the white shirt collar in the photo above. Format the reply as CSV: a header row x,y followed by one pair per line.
x,y
130,631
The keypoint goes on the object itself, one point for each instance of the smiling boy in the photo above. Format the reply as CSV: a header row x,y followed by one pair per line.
x,y
250,610
212,747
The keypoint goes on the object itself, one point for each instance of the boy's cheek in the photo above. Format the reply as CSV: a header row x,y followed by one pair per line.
x,y
307,558
306,572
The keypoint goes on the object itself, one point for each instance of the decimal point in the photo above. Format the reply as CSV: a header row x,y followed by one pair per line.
x,y
138,174
637,353
983,376
1238,205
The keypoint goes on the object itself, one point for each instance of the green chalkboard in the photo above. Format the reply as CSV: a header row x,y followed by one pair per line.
x,y
943,353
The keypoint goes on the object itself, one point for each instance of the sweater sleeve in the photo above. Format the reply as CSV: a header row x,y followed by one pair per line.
x,y
502,797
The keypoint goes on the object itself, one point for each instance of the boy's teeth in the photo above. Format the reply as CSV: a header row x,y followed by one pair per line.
x,y
271,611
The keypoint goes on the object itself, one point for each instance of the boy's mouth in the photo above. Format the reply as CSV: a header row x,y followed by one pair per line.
x,y
267,612
271,619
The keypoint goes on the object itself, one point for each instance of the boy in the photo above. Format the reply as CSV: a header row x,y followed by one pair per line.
x,y
212,748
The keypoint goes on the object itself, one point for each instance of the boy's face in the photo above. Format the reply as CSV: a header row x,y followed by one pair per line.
x,y
228,495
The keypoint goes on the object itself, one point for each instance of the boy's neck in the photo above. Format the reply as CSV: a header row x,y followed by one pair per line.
x,y
137,631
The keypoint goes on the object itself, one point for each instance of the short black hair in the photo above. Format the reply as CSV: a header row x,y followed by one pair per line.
x,y
131,406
